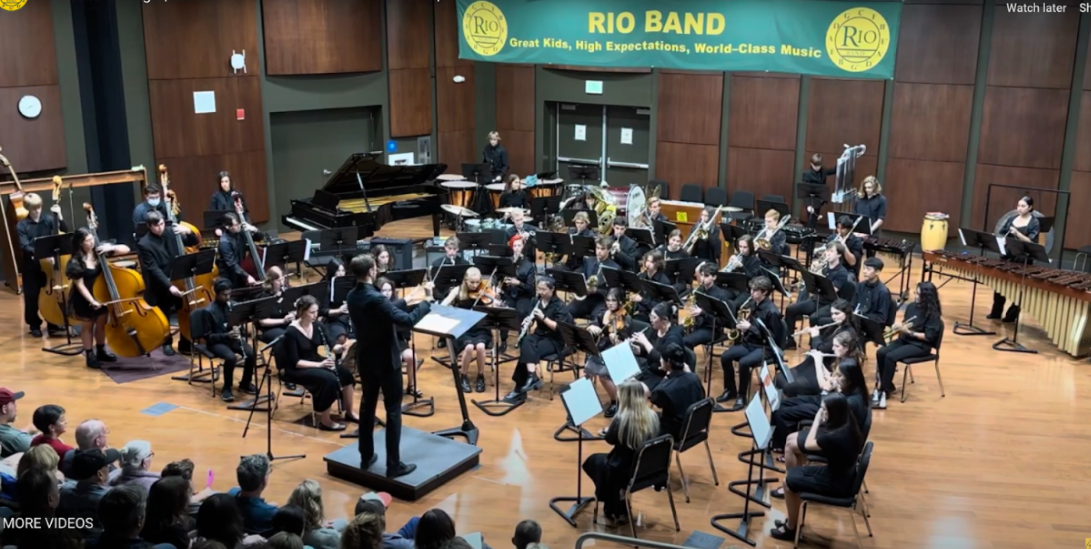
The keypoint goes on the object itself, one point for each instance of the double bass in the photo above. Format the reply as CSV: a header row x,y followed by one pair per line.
x,y
51,297
21,213
133,328
253,264
197,291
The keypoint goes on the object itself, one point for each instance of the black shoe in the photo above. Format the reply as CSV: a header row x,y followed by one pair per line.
x,y
168,350
401,470
442,344
105,356
533,382
740,403
727,396
92,360
479,385
53,329
35,332
249,389
503,348
1010,318
993,316
226,395
465,383
185,347
515,397
290,386
370,462
783,533
611,411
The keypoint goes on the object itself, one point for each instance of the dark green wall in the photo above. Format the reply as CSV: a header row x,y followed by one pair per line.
x,y
134,74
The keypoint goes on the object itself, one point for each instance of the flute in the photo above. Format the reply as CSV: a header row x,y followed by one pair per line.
x,y
820,328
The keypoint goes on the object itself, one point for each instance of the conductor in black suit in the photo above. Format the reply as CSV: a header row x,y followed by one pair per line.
x,y
378,359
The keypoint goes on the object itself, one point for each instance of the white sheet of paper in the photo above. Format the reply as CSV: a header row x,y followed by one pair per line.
x,y
620,362
626,136
434,322
759,424
401,159
204,102
771,392
832,221
581,132
1003,245
307,250
962,237
582,401
476,540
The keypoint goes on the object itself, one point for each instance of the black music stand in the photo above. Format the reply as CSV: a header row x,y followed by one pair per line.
x,y
764,206
580,339
478,173
626,280
474,241
240,315
553,243
407,278
733,281
214,219
872,330
541,207
54,246
583,173
191,266
495,266
681,270
281,254
661,292
267,382
581,404
341,242
568,281
582,246
642,236
499,319
662,229
857,220
1028,251
569,217
465,319
320,291
761,432
722,318
814,196
981,241
446,277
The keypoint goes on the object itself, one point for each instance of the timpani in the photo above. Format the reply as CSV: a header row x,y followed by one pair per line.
x,y
546,187
461,192
495,190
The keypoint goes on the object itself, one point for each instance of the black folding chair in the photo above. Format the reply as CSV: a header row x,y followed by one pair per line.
x,y
652,469
698,418
849,503
933,357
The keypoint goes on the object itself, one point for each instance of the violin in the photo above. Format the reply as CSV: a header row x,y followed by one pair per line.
x,y
484,295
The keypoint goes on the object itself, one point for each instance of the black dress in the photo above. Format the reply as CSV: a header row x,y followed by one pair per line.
x,y
81,308
473,336
611,472
324,385
841,447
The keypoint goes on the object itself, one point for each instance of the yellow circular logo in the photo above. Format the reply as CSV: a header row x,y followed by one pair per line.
x,y
12,5
485,28
858,39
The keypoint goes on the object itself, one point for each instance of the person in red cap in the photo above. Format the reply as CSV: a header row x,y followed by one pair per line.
x,y
12,440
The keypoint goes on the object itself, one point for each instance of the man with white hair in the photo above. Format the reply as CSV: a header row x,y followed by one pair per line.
x,y
91,434
136,460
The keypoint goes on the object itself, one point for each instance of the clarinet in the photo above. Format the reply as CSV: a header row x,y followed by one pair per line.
x,y
326,343
526,324
238,329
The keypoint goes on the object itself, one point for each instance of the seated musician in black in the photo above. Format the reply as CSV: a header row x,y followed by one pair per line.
x,y
836,435
520,228
324,378
233,249
514,195
1026,227
806,374
478,339
709,247
610,328
778,240
920,330
749,264
817,306
225,341
156,253
383,260
653,270
672,249
649,345
223,198
853,256
272,328
702,333
635,424
335,314
749,350
677,392
623,250
871,299
518,292
404,335
451,255
542,339
582,228
594,303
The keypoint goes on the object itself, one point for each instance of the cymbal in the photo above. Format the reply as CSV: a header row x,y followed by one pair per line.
x,y
512,210
458,210
731,209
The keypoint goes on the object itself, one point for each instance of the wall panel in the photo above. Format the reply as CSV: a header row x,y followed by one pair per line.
x,y
763,112
1003,199
690,107
931,121
410,102
515,97
1023,127
455,115
178,131
679,163
408,33
938,44
32,145
195,38
457,147
844,111
1083,135
1033,50
193,177
26,42
761,171
914,187
1078,232
520,146
446,32
322,36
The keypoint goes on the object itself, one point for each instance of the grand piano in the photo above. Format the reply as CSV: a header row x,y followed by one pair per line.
x,y
366,193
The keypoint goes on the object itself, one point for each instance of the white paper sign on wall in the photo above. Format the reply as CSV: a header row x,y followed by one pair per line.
x,y
593,87
626,136
204,102
581,132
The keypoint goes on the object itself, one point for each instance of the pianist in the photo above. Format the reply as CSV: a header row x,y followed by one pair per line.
x,y
496,156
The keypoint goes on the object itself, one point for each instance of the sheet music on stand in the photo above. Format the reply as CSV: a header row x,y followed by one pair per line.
x,y
771,392
760,428
844,190
620,363
581,401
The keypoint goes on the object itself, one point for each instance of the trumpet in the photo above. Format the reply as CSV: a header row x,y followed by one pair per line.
x,y
897,327
822,327
733,263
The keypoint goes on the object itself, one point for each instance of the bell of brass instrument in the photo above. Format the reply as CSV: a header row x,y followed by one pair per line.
x,y
733,263
897,327
701,232
765,241
690,320
743,314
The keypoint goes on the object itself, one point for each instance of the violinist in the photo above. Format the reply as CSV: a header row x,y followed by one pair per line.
x,y
702,333
610,328
223,199
623,250
749,351
673,248
653,270
542,339
272,328
648,346
526,232
518,291
226,341
806,373
37,224
594,302
83,270
156,254
404,335
336,314
233,248
817,306
153,201
473,291
383,261
514,195
708,248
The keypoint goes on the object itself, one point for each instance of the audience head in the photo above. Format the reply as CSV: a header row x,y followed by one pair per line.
x,y
253,473
93,466
289,518
209,544
39,493
137,455
434,529
366,532
8,409
457,543
284,540
526,533
308,497
168,502
183,469
121,511
219,519
372,503
42,456
91,434
50,420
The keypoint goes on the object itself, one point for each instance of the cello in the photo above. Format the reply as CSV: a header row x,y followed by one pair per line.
x,y
197,291
133,328
53,293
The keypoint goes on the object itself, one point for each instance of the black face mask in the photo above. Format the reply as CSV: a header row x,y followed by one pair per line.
x,y
815,168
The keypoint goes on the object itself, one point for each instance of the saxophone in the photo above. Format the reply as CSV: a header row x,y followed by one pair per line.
x,y
690,320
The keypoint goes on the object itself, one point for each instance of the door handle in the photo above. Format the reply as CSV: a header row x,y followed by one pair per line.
x,y
631,165
585,161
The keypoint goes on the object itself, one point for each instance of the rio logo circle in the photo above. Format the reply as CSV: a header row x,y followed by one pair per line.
x,y
12,5
484,28
858,39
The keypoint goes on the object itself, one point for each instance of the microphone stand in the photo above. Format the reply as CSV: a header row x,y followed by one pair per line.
x,y
267,382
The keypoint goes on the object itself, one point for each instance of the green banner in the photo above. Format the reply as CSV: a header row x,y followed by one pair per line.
x,y
841,39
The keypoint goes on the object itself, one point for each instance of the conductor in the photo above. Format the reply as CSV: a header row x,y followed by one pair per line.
x,y
376,320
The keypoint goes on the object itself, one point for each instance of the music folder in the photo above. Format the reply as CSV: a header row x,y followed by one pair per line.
x,y
580,401
445,321
620,362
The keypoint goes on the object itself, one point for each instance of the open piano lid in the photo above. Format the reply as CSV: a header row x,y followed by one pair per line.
x,y
378,176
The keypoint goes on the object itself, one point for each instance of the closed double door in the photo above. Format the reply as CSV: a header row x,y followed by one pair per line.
x,y
612,139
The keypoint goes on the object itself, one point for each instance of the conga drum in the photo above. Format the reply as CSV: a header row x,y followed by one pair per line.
x,y
934,232
495,189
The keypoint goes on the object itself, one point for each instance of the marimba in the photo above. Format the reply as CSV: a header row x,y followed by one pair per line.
x,y
1059,300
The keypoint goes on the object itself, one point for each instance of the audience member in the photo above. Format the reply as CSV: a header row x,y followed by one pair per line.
x,y
40,500
12,440
389,541
40,457
288,519
457,543
184,469
253,476
136,460
50,420
364,532
121,513
90,470
434,529
91,434
219,520
284,540
526,533
318,533
167,518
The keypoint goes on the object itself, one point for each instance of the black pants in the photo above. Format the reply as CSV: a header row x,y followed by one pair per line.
x,y
804,382
793,410
998,308
589,307
887,358
227,353
389,382
33,281
531,351
803,307
748,356
607,487
699,336
324,385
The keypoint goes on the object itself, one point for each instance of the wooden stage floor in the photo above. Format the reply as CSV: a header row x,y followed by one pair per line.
x,y
1002,461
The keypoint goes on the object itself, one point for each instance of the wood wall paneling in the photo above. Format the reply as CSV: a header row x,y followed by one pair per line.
x,y
26,41
446,32
1003,199
195,38
455,115
690,107
1083,135
679,163
844,111
32,145
764,112
761,171
322,36
914,187
1087,73
515,97
938,44
931,121
193,177
457,147
1033,50
1023,127
178,131
520,146
407,34
1078,231
410,102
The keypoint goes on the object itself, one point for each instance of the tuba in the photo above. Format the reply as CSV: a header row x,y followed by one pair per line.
x,y
636,206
